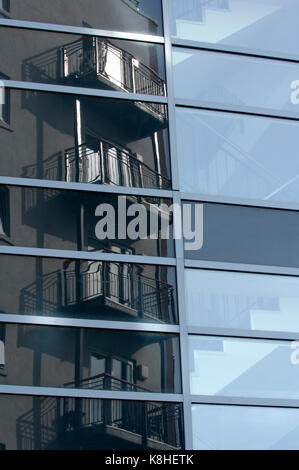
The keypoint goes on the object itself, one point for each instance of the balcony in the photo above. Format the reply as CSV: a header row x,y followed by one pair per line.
x,y
94,423
132,296
103,162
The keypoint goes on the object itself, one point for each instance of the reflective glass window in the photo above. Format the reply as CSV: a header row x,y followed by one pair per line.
x,y
95,290
238,156
242,301
137,16
88,221
83,139
56,423
239,82
265,26
91,359
239,367
83,61
220,427
249,235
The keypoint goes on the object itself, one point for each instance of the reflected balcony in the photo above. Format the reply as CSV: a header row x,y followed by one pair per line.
x,y
102,287
64,423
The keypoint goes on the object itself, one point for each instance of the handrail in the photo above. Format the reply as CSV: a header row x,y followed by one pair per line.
x,y
110,376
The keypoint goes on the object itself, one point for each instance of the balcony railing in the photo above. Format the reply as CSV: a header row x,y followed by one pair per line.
x,y
136,295
106,381
103,162
58,417
119,68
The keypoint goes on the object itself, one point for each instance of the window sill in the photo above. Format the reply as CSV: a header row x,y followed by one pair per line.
x,y
4,125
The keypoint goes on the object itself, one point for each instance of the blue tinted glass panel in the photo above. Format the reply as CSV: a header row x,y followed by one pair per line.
x,y
238,156
219,427
219,299
239,82
243,234
243,367
268,26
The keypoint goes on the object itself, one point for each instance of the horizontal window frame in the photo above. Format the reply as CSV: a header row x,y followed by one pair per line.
x,y
67,322
242,401
61,28
241,267
97,394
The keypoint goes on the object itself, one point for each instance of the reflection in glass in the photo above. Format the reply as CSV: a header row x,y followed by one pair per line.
x,y
87,289
242,368
84,61
220,427
268,26
74,220
249,235
137,16
245,83
91,359
56,423
86,140
220,299
238,156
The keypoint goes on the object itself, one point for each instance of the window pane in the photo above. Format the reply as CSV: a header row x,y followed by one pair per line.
x,y
244,83
94,290
79,220
87,140
140,16
56,423
84,61
251,24
238,156
48,356
242,368
249,235
220,427
219,299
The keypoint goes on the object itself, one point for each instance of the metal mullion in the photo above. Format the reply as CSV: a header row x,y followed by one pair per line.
x,y
245,401
228,200
171,97
213,47
84,393
270,335
239,267
73,90
88,255
236,109
89,187
82,31
88,324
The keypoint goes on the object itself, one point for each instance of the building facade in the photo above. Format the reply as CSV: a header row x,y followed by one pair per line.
x,y
144,342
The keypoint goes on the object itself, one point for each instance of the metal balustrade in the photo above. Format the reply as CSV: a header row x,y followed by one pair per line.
x,y
129,293
103,162
59,417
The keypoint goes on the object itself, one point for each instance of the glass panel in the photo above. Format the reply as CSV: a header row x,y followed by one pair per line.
x,y
94,290
220,427
251,24
140,16
238,156
249,235
84,61
245,83
242,368
79,220
46,356
219,299
86,139
56,423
